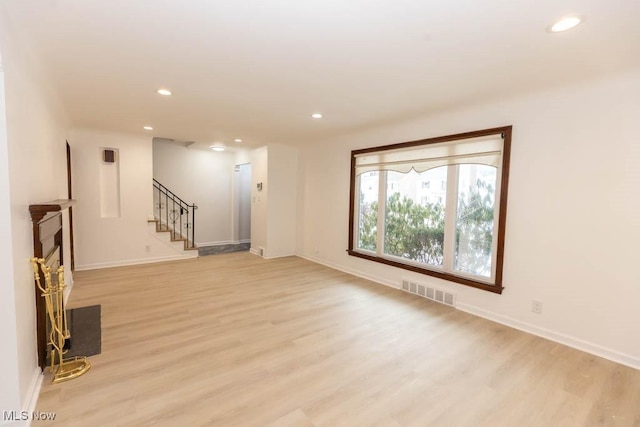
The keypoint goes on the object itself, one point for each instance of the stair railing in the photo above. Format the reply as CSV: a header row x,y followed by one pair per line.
x,y
174,214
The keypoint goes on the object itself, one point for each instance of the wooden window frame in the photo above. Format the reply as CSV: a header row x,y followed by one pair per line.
x,y
497,286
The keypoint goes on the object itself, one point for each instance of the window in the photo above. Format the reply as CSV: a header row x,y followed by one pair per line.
x,y
455,230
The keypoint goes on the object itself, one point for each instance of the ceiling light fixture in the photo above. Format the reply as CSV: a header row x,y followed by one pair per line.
x,y
218,147
147,128
237,140
316,115
564,24
165,92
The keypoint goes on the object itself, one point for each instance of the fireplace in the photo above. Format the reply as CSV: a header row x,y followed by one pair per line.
x,y
47,244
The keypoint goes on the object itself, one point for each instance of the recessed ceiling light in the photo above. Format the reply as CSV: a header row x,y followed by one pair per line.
x,y
217,147
316,115
237,140
564,24
165,92
147,128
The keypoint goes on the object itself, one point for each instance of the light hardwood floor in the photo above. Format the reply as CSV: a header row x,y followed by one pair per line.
x,y
236,340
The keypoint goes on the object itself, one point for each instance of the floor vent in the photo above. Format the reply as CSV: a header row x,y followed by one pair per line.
x,y
428,292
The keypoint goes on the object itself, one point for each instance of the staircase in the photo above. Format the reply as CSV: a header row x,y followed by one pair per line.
x,y
173,237
174,216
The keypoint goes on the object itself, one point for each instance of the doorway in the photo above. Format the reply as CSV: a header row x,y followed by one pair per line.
x,y
243,196
70,196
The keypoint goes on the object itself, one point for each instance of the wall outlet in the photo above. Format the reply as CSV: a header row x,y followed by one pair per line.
x,y
147,248
317,250
536,306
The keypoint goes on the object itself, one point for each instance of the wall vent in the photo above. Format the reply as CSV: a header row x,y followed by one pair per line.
x,y
429,292
261,251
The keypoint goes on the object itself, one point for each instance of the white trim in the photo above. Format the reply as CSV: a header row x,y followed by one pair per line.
x,y
357,273
29,405
33,393
283,255
67,291
219,243
382,207
591,348
223,242
450,214
135,262
595,349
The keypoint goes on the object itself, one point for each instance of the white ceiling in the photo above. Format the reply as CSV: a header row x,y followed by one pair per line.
x,y
257,69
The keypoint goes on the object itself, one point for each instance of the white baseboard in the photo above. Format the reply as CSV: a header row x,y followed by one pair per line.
x,y
223,242
218,243
354,272
67,291
33,393
29,404
125,263
597,350
282,255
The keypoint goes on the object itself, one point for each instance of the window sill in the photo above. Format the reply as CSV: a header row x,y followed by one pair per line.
x,y
444,276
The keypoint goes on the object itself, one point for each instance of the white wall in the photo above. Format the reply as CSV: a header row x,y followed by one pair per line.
x,y
34,161
242,196
203,177
242,156
127,239
274,214
10,390
259,199
282,208
572,221
242,203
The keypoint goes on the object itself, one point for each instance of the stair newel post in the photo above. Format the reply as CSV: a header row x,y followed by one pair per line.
x,y
193,226
173,218
159,203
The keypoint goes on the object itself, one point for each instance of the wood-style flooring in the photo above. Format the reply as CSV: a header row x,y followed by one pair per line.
x,y
237,340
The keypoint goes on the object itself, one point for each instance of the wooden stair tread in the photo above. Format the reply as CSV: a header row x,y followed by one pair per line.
x,y
163,229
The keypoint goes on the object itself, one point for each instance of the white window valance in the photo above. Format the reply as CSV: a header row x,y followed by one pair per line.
x,y
485,150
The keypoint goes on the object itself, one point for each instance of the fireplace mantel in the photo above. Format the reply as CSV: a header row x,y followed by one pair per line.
x,y
47,244
40,210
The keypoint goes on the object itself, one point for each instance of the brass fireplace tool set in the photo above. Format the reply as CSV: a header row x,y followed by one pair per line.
x,y
53,294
